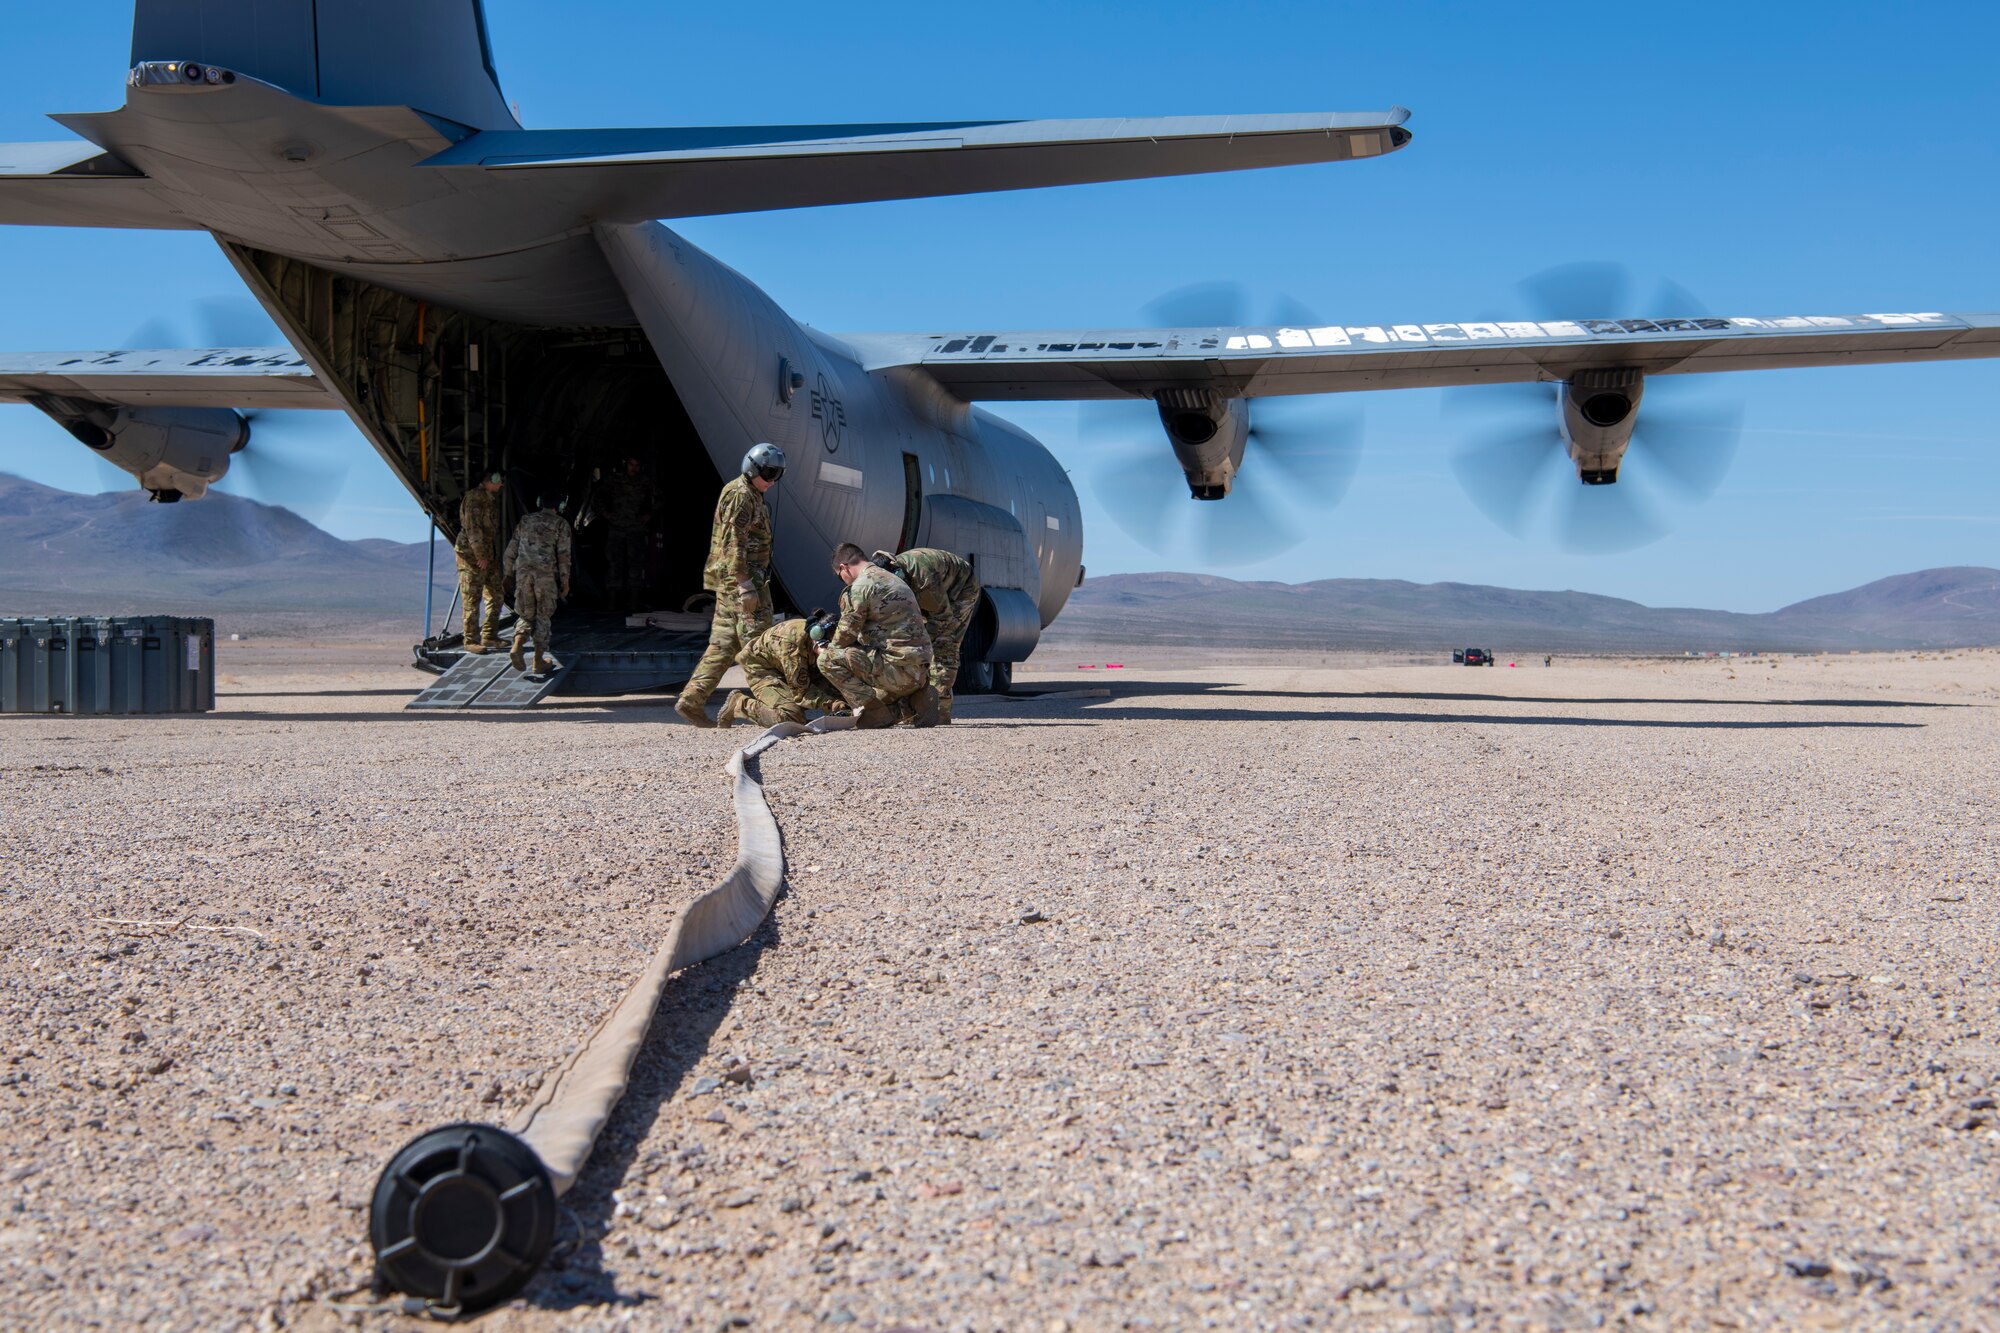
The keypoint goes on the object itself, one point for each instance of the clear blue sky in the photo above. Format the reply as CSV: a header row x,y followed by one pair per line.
x,y
1773,158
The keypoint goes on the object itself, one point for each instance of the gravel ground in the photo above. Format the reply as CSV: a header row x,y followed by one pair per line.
x,y
1644,994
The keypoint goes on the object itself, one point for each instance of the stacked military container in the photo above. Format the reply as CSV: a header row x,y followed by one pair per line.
x,y
118,664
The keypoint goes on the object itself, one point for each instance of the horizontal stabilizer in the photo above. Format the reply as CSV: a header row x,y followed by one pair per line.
x,y
1059,364
76,184
242,377
635,175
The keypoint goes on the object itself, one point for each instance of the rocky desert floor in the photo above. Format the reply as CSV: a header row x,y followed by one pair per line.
x,y
1263,995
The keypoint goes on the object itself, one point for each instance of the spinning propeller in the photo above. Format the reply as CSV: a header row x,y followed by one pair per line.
x,y
294,459
1516,468
1299,455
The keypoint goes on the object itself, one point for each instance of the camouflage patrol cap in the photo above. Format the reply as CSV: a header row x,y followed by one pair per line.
x,y
497,478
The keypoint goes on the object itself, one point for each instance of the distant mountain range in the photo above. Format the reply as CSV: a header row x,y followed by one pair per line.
x,y
1934,608
68,554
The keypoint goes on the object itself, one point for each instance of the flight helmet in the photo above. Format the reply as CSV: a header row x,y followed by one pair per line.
x,y
764,460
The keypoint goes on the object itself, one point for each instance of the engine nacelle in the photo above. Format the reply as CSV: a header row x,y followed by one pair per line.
x,y
173,451
1599,408
1208,433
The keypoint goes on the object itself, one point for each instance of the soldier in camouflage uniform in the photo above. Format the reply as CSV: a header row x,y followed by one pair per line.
x,y
879,657
538,561
784,676
627,507
478,552
738,573
948,592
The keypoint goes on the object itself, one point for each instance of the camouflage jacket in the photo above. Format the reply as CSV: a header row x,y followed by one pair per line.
x,y
788,650
541,545
739,550
627,503
938,578
478,525
878,610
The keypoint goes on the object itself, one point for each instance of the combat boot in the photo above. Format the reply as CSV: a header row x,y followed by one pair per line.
x,y
875,716
542,664
925,706
476,646
514,658
731,711
692,711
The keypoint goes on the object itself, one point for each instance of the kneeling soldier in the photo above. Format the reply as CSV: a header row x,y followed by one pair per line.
x,y
538,562
948,592
879,656
784,677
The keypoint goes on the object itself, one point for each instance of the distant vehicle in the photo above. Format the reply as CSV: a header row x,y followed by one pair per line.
x,y
1458,656
1474,657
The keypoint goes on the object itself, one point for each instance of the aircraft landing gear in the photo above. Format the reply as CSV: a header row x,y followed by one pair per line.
x,y
984,678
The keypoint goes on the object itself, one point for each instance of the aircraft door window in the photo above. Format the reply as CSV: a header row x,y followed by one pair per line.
x,y
913,501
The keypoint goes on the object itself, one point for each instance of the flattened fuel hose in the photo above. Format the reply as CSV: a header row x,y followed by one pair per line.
x,y
465,1214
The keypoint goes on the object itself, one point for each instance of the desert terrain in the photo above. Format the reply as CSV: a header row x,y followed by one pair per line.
x,y
1263,992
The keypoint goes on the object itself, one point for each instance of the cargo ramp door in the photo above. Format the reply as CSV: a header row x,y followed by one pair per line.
x,y
488,680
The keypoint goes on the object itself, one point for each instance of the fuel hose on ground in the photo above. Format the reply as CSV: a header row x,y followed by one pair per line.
x,y
465,1214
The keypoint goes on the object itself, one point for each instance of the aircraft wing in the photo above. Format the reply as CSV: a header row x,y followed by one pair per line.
x,y
635,175
75,184
1261,362
244,377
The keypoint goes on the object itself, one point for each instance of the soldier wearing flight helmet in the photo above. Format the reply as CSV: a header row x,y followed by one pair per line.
x,y
738,573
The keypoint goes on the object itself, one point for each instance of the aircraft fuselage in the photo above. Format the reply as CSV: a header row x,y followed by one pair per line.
x,y
379,270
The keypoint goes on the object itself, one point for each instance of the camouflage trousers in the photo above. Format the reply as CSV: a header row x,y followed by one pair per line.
x,y
727,634
534,608
771,699
947,631
626,557
875,675
476,585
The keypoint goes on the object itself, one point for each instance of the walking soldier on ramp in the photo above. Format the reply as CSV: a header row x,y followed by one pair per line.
x,y
784,676
948,592
478,552
738,573
538,561
879,657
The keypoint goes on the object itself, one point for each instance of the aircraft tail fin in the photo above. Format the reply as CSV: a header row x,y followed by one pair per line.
x,y
431,55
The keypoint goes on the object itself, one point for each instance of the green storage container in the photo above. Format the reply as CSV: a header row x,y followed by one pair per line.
x,y
95,664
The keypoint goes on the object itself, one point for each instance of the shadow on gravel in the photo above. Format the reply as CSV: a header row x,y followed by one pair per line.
x,y
1215,689
692,1008
1111,710
226,693
570,710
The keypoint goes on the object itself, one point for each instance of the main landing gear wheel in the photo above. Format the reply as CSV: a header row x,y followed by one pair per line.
x,y
984,678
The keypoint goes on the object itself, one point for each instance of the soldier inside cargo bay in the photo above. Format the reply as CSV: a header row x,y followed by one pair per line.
x,y
628,505
879,657
738,573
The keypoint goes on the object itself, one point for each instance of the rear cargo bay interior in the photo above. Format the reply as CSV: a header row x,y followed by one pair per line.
x,y
446,397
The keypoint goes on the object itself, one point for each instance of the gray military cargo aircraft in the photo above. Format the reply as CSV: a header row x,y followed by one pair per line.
x,y
477,296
